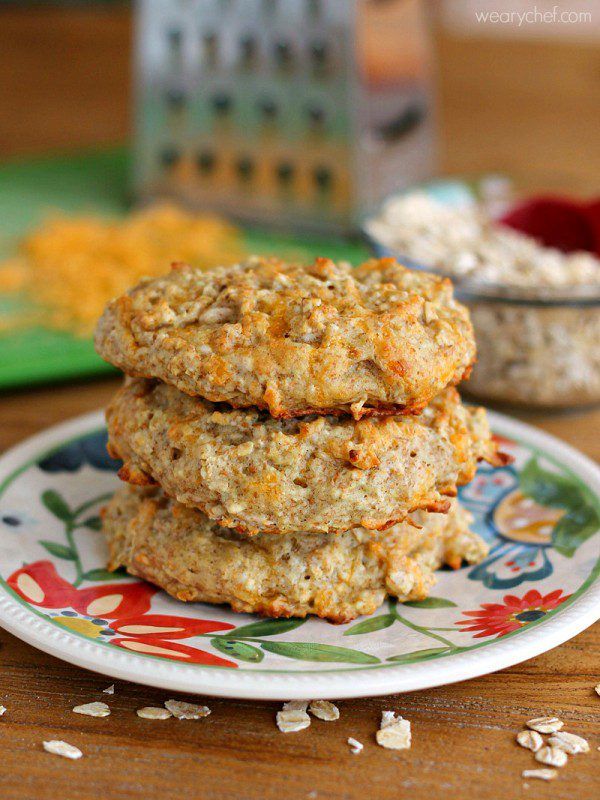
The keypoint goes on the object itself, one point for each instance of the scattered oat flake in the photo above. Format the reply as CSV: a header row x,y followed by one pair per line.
x,y
530,739
293,717
551,756
183,710
597,688
58,748
394,732
569,742
93,710
355,745
109,689
325,710
150,712
542,774
545,724
2,710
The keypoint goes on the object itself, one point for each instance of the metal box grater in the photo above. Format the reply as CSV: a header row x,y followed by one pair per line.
x,y
289,113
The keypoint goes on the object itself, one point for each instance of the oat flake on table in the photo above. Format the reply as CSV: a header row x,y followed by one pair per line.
x,y
151,712
93,709
64,749
355,745
109,689
541,774
323,709
394,732
569,742
545,724
293,717
551,756
183,710
2,710
530,740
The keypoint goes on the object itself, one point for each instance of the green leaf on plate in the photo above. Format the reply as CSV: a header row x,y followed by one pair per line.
x,y
574,528
104,575
431,602
549,488
310,651
95,523
59,550
241,650
418,655
266,627
56,505
370,625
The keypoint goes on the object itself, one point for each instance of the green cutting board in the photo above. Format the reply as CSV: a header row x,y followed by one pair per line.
x,y
92,182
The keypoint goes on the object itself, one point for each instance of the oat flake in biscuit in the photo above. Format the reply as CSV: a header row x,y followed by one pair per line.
x,y
294,339
335,577
320,474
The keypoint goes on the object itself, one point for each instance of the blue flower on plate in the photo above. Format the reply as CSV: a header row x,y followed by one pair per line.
x,y
518,529
89,449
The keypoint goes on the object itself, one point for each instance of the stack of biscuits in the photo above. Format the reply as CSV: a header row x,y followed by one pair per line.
x,y
291,436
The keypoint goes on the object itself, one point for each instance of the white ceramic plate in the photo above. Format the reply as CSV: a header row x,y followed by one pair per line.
x,y
538,587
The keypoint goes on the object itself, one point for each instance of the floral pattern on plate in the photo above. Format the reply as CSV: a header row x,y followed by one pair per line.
x,y
540,519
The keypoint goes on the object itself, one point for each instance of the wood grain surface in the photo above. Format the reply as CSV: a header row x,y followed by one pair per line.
x,y
463,735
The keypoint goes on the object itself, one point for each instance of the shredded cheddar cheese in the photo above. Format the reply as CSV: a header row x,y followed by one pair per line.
x,y
70,267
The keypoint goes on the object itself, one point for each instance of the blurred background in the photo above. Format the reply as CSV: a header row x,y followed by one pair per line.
x,y
279,126
521,99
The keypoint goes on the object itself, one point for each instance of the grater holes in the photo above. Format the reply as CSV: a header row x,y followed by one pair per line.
x,y
244,166
319,53
316,115
268,107
284,171
168,156
221,102
313,7
248,49
175,98
323,177
209,48
283,53
206,161
174,38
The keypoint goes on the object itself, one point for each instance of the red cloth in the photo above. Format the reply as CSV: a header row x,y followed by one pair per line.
x,y
558,222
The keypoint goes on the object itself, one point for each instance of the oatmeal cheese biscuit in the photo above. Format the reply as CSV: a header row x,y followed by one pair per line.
x,y
323,474
294,340
336,577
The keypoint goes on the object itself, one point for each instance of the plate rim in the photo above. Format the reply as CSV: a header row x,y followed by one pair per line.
x,y
327,684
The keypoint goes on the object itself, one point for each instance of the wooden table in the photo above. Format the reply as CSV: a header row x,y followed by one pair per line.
x,y
463,735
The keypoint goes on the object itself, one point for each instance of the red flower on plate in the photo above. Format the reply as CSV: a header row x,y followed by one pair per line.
x,y
40,584
176,652
114,600
152,634
165,626
122,608
496,619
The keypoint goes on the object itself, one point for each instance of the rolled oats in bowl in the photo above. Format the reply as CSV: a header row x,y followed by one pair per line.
x,y
535,309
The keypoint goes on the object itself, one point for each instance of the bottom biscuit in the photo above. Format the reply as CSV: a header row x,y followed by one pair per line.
x,y
334,576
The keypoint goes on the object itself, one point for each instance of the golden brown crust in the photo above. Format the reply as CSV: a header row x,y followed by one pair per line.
x,y
378,339
335,577
253,473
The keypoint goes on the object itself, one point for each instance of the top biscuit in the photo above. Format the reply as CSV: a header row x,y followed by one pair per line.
x,y
294,340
